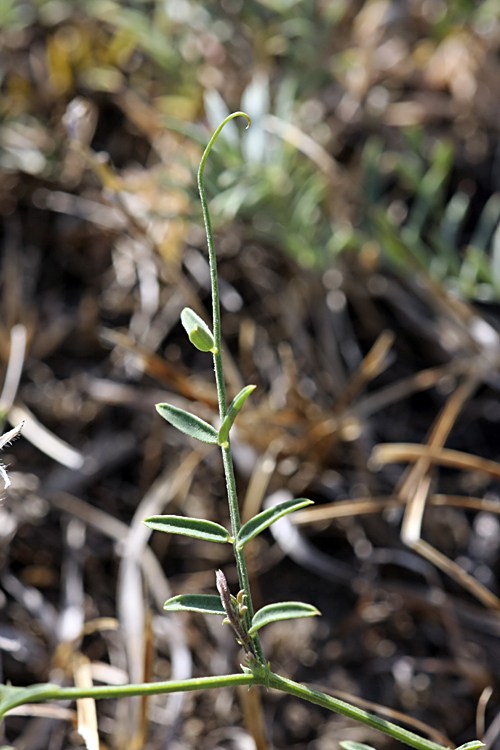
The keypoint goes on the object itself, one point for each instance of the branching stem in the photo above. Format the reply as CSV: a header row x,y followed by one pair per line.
x,y
11,697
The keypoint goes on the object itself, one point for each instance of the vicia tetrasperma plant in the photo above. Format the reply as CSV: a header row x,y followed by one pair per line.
x,y
237,610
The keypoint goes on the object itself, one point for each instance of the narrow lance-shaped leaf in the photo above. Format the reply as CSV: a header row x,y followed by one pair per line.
x,y
198,528
199,333
188,423
207,604
267,517
281,611
233,412
472,745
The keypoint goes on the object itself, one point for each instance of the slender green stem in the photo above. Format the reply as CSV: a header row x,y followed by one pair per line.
x,y
10,697
221,387
239,553
352,712
219,375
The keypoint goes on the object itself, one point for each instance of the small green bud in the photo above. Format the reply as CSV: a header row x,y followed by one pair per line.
x,y
199,333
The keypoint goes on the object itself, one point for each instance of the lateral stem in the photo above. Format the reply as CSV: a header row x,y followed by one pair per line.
x,y
352,712
11,697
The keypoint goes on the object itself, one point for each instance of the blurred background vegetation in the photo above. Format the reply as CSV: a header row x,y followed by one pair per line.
x,y
375,124
360,210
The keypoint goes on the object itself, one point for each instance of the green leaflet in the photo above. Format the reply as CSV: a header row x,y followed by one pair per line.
x,y
233,412
281,611
207,604
197,330
198,528
472,745
188,423
261,521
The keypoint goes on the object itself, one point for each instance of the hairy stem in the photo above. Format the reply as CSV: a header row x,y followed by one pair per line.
x,y
239,553
10,697
234,512
219,374
352,712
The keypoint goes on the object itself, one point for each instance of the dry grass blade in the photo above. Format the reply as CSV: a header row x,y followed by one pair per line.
x,y
440,431
481,711
107,217
410,534
131,606
251,702
18,341
344,509
371,366
45,440
85,707
361,506
492,732
46,711
414,488
485,504
412,521
410,453
457,573
100,623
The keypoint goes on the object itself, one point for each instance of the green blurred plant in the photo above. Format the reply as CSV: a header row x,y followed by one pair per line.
x,y
418,223
265,180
